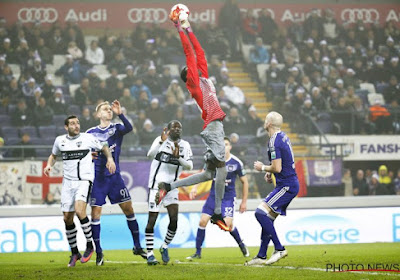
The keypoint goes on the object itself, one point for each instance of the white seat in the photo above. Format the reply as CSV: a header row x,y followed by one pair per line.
x,y
174,69
58,60
72,89
57,81
374,98
246,51
368,86
261,69
101,69
88,39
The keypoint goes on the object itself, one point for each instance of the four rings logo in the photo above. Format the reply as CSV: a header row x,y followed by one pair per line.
x,y
48,15
366,15
136,15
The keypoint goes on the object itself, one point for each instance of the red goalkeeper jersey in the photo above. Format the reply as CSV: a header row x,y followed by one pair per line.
x,y
201,88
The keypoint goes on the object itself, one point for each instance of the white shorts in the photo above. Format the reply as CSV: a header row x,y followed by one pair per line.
x,y
72,191
170,198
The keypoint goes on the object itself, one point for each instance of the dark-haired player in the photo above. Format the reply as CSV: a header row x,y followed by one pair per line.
x,y
75,149
195,75
234,167
170,155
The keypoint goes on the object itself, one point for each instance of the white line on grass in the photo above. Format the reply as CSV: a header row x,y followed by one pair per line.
x,y
270,266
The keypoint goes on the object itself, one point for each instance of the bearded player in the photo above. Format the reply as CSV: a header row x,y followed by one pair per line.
x,y
195,75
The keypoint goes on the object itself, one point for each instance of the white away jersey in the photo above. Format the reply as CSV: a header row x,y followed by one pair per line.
x,y
76,155
164,167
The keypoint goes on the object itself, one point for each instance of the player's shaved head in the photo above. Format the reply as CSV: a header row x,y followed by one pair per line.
x,y
275,119
184,74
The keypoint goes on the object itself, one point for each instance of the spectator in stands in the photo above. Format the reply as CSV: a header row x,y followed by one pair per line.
x,y
326,68
273,73
155,112
397,183
43,114
360,186
276,51
38,71
350,79
361,121
224,76
101,93
128,101
44,52
24,152
74,50
151,79
83,94
324,49
94,79
230,22
170,107
166,78
341,115
48,89
392,92
147,133
259,53
347,182
307,49
290,50
94,54
29,88
22,53
143,101
269,28
87,119
150,51
331,29
118,62
339,84
56,41
111,82
378,73
314,23
12,93
319,102
393,68
235,122
2,152
380,117
391,47
175,90
8,51
253,122
57,102
306,84
71,71
384,178
116,94
350,97
234,94
6,76
376,188
130,78
49,199
251,27
138,87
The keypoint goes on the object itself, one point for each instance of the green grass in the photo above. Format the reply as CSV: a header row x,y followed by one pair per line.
x,y
216,263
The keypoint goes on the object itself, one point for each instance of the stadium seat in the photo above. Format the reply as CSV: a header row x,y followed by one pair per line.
x,y
74,110
324,123
246,51
72,89
15,69
5,119
261,69
11,108
61,130
3,110
43,152
47,131
36,141
31,130
175,71
48,140
374,97
58,60
278,88
10,141
57,81
58,120
368,86
9,132
380,87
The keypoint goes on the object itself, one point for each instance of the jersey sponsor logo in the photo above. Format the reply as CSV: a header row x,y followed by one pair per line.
x,y
167,158
273,155
73,155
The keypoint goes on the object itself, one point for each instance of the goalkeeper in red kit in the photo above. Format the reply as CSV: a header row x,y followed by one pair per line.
x,y
195,75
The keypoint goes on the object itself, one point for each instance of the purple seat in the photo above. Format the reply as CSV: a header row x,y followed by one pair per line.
x,y
31,130
9,132
58,120
74,110
5,119
47,131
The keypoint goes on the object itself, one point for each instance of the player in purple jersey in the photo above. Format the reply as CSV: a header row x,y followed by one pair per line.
x,y
234,168
111,185
287,186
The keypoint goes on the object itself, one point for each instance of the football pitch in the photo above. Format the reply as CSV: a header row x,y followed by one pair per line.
x,y
303,262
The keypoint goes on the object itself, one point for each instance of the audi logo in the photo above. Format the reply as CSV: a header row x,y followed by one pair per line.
x,y
136,15
366,15
48,15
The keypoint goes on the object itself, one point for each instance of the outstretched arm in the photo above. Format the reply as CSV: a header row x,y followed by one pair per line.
x,y
201,58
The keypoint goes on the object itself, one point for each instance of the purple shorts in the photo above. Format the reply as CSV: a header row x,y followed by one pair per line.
x,y
112,186
278,200
227,207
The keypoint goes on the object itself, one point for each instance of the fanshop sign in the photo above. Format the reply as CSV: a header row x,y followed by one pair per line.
x,y
125,14
368,147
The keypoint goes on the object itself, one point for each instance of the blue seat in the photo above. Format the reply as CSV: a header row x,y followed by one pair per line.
x,y
74,110
9,141
58,120
60,130
48,140
43,152
3,110
47,131
277,88
31,130
5,119
9,132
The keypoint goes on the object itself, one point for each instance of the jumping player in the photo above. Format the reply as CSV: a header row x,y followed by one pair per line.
x,y
111,185
75,148
170,156
235,168
287,186
203,91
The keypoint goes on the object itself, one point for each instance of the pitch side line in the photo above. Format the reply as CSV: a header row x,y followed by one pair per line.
x,y
270,266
